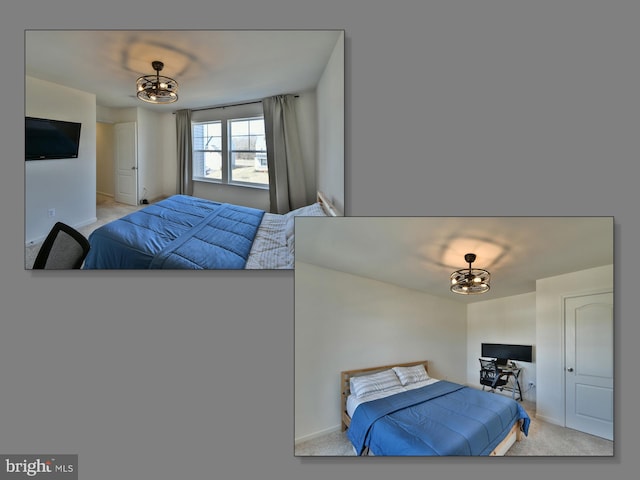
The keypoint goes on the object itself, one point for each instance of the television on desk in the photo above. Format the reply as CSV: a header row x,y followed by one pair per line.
x,y
503,352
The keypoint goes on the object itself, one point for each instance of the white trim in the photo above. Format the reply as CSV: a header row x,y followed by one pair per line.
x,y
563,324
86,223
31,243
552,420
314,435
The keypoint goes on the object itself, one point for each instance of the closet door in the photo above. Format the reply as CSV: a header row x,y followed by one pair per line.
x,y
589,364
126,153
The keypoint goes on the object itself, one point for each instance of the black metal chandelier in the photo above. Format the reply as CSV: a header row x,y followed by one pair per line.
x,y
157,88
470,281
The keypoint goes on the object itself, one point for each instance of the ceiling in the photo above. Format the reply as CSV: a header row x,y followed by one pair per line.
x,y
421,252
212,67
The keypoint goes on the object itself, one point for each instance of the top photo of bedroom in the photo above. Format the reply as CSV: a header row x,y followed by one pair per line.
x,y
179,149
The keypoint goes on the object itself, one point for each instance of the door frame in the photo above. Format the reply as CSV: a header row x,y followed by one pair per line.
x,y
136,175
563,299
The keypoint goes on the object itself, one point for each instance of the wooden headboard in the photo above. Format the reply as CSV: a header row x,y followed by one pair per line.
x,y
328,207
345,385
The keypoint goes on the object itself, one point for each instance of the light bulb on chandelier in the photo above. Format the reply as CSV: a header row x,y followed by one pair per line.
x,y
157,88
470,281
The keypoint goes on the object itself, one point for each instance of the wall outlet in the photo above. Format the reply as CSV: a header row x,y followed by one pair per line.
x,y
51,212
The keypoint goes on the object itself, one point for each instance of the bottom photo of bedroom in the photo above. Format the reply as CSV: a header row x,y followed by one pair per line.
x,y
454,336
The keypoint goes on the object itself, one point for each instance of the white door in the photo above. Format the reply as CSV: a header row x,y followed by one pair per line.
x,y
126,176
589,364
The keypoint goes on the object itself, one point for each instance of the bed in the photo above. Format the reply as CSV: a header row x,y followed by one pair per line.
x,y
185,232
399,410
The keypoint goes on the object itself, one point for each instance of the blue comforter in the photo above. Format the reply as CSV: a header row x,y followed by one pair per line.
x,y
180,232
443,418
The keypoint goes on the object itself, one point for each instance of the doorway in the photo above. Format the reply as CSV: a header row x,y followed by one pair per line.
x,y
589,363
126,163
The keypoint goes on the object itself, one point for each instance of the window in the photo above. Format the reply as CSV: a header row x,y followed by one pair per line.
x,y
207,151
231,151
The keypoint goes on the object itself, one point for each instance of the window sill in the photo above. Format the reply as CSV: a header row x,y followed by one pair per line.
x,y
254,186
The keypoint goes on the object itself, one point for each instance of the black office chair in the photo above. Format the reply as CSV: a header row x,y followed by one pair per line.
x,y
491,376
64,248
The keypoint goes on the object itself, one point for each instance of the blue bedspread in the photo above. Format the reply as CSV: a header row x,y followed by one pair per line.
x,y
180,232
444,418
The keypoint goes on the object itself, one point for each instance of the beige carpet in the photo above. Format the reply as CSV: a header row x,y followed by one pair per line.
x,y
107,209
544,439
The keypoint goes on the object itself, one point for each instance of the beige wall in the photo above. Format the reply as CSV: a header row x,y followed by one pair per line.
x,y
105,166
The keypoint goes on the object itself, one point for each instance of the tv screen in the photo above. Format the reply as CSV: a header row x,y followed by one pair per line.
x,y
521,353
50,139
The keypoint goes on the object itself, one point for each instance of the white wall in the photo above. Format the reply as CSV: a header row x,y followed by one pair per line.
x,y
502,320
150,153
331,125
344,322
66,185
106,114
169,156
550,334
307,116
120,115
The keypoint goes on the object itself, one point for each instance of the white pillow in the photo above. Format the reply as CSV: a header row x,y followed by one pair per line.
x,y
313,210
413,374
289,228
291,246
375,382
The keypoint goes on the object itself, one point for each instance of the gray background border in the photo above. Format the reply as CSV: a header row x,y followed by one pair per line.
x,y
533,106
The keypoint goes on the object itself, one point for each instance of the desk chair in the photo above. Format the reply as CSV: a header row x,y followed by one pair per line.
x,y
491,376
64,248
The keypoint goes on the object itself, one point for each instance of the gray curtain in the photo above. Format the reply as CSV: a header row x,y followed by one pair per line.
x,y
185,152
287,189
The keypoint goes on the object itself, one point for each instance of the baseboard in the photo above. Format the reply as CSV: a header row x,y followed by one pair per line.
x,y
551,420
78,226
314,435
86,223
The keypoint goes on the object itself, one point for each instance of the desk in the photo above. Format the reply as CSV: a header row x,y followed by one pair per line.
x,y
513,374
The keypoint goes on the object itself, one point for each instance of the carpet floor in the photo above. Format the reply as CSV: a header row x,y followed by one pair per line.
x,y
544,439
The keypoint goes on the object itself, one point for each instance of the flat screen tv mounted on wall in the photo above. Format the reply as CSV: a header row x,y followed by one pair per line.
x,y
50,139
504,352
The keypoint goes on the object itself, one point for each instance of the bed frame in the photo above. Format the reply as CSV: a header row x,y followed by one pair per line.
x,y
328,207
514,435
